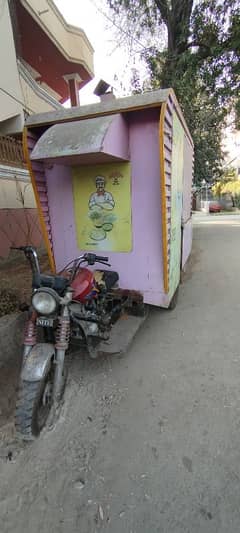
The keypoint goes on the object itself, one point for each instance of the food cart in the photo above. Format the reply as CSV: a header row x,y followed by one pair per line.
x,y
115,178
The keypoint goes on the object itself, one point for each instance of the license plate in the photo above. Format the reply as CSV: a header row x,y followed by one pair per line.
x,y
45,322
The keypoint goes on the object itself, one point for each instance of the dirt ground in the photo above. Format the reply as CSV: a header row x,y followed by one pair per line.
x,y
15,289
148,441
15,281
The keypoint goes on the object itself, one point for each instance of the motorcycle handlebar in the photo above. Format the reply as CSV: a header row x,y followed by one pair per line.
x,y
91,259
101,258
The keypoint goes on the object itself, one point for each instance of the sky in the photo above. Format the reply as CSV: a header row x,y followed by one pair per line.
x,y
109,58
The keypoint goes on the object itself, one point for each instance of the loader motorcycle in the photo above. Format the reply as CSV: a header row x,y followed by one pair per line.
x,y
79,305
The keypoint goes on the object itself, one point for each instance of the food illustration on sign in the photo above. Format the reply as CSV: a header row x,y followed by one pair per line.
x,y
100,203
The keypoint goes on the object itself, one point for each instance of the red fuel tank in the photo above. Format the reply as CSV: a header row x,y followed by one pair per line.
x,y
82,284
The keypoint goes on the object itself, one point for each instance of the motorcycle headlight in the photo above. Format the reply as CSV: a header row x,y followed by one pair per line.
x,y
44,302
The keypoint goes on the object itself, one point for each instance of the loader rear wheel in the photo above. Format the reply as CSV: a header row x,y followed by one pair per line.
x,y
35,399
93,347
174,300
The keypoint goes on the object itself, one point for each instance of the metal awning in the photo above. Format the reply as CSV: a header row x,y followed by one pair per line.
x,y
84,142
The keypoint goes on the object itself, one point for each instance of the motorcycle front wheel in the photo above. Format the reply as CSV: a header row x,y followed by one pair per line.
x,y
35,399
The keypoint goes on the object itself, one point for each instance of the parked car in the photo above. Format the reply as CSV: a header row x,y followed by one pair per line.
x,y
214,206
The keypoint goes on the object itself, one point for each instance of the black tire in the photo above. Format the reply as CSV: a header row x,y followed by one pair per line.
x,y
31,413
138,309
93,347
174,300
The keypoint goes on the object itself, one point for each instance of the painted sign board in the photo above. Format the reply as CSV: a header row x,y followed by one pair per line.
x,y
176,204
102,205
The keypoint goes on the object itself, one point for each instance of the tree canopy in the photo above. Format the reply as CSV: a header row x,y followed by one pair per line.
x,y
200,61
228,184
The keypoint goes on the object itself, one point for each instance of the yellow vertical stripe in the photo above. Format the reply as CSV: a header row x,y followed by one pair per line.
x,y
39,207
163,199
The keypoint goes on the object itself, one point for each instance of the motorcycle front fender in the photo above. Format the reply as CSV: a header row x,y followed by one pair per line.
x,y
37,362
88,328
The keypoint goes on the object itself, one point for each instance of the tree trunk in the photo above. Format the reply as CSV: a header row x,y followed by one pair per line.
x,y
177,20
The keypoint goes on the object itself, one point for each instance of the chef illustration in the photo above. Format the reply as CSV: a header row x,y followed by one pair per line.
x,y
101,198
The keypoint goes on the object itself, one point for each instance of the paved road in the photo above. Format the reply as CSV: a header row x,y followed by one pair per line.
x,y
149,442
219,218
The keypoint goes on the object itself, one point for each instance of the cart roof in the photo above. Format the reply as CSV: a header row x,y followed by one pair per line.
x,y
116,105
135,102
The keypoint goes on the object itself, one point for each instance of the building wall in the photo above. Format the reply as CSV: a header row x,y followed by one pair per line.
x,y
72,41
20,93
9,107
19,227
32,100
16,194
18,216
68,42
19,224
